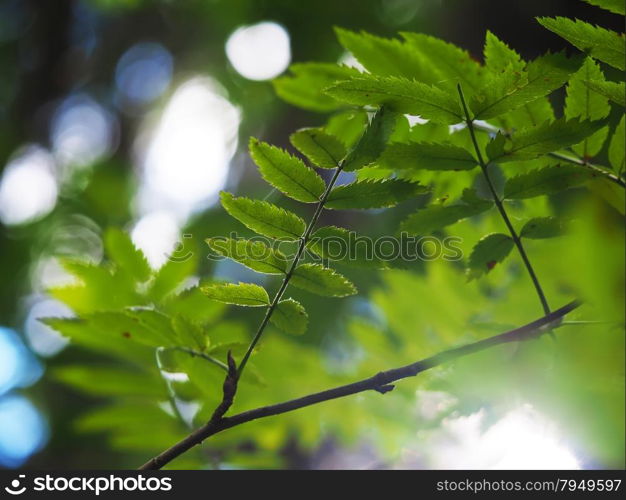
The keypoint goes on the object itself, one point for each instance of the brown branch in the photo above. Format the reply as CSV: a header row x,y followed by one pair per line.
x,y
381,382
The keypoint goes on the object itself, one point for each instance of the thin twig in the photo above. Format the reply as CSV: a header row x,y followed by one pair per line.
x,y
516,239
283,286
380,382
598,169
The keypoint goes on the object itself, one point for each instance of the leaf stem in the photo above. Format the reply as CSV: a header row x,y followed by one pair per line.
x,y
598,169
283,286
516,239
198,354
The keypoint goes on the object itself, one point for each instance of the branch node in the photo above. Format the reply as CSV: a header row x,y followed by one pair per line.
x,y
385,388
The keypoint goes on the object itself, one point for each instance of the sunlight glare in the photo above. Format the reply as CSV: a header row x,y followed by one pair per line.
x,y
259,52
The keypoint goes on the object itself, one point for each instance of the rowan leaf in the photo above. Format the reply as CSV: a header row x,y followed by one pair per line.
x,y
545,181
426,156
384,56
448,64
542,227
263,217
614,91
110,381
599,43
303,87
427,220
286,173
512,88
121,250
241,294
401,95
171,275
373,141
338,244
583,103
372,194
321,280
499,56
253,254
322,149
546,138
290,316
489,251
580,102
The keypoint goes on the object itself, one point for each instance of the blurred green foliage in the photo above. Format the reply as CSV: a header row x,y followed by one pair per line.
x,y
145,337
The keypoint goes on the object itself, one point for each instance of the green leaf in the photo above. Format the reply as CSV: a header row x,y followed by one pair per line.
x,y
489,251
447,63
321,280
545,181
94,292
242,294
290,316
426,156
499,56
599,43
542,227
373,141
533,142
430,219
580,102
385,56
303,88
615,6
401,95
190,334
98,333
512,89
322,149
171,275
253,254
616,147
263,217
341,245
122,251
614,91
583,103
373,194
286,173
110,381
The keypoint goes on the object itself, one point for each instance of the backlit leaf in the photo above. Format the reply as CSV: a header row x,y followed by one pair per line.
x,y
242,294
253,254
373,194
321,280
290,317
322,149
263,217
488,252
286,173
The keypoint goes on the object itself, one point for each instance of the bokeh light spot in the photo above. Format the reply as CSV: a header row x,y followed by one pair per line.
x,y
28,188
259,52
82,131
143,72
23,431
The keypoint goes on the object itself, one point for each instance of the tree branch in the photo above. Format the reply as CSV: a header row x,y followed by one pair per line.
x,y
381,382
